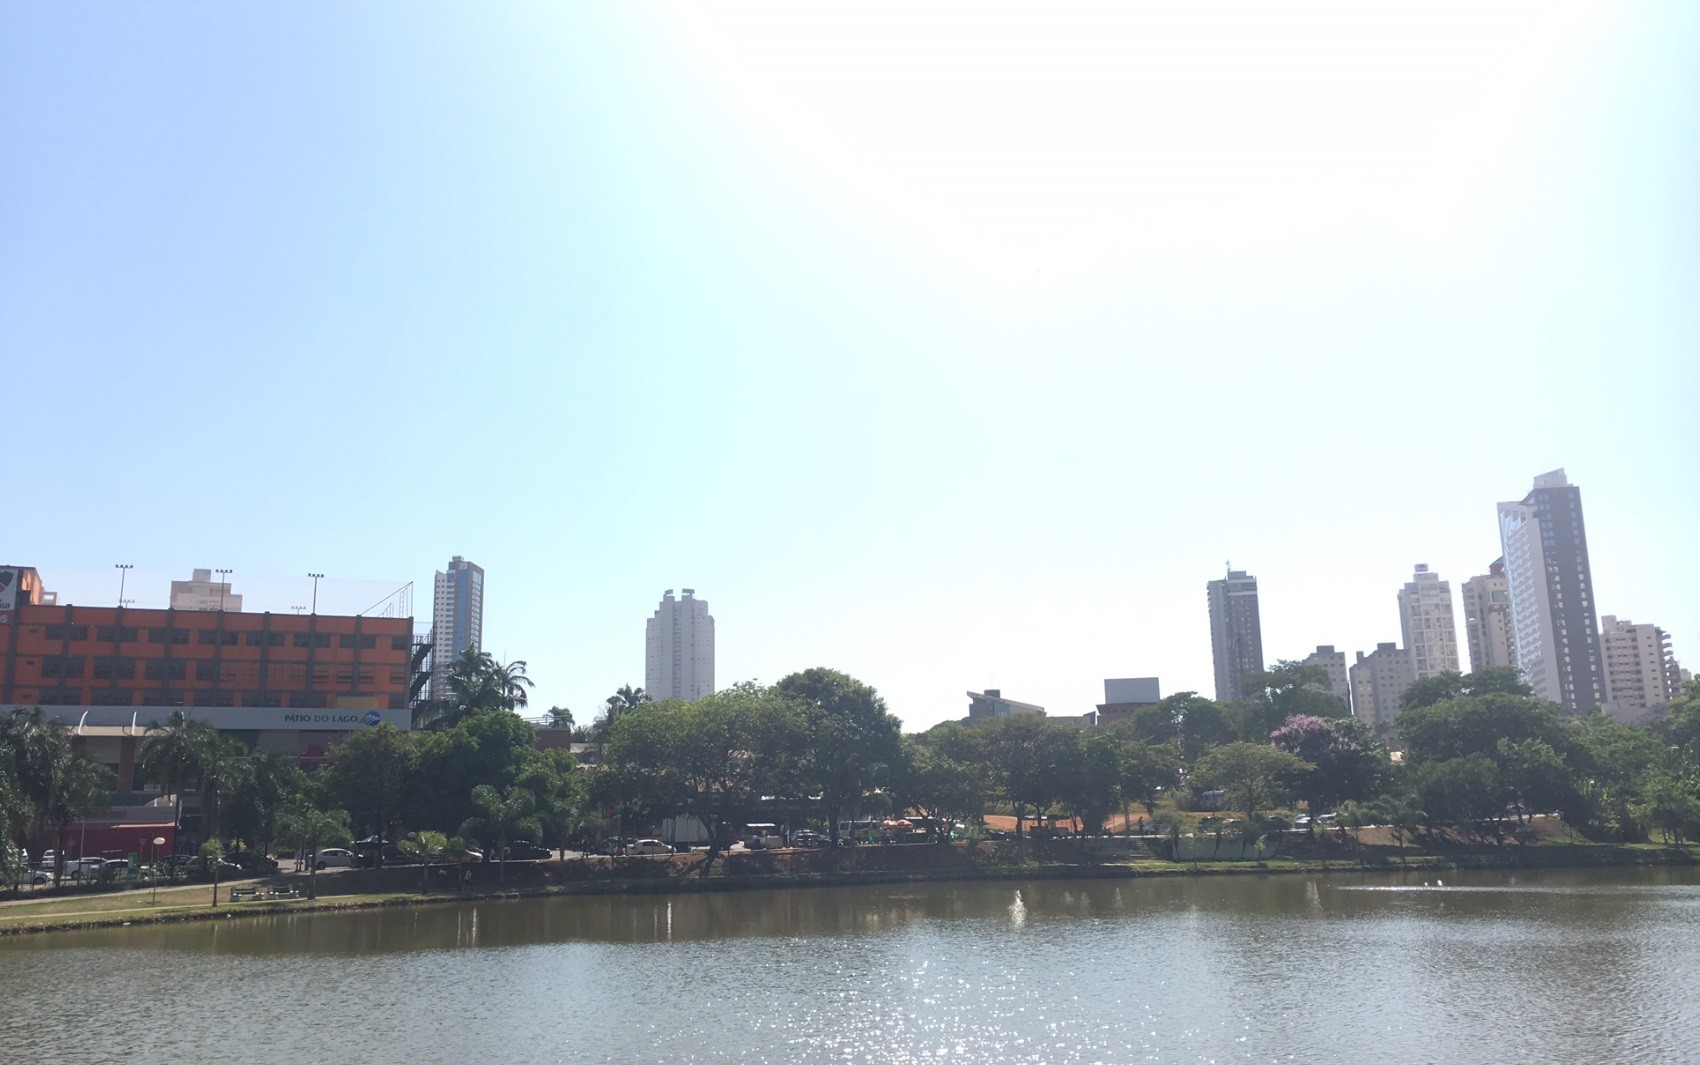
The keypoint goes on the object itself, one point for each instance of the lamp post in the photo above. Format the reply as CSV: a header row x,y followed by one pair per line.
x,y
153,865
298,609
317,577
223,586
123,569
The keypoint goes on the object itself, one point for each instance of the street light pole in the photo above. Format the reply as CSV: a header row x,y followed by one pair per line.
x,y
223,586
123,569
153,864
316,578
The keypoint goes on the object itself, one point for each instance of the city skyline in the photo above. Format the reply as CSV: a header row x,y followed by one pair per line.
x,y
927,377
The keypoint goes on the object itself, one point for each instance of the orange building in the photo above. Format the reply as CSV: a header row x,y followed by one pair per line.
x,y
284,682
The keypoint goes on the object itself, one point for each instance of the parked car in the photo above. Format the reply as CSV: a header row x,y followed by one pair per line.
x,y
525,851
648,846
1328,820
84,869
1301,821
254,863
334,857
808,837
393,855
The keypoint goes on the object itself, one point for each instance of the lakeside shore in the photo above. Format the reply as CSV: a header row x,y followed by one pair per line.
x,y
193,903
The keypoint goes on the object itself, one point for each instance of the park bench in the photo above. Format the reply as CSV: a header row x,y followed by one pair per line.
x,y
248,894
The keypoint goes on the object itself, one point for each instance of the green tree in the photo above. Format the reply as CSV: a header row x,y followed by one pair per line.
x,y
425,845
268,781
310,828
559,717
937,786
1147,771
170,757
1285,690
1345,761
476,682
712,758
369,774
1092,783
1403,816
212,855
1445,687
486,747
1671,805
850,740
1466,792
1256,776
1354,817
1026,759
1186,721
220,765
500,816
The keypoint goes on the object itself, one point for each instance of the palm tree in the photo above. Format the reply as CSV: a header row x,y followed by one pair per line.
x,y
1354,816
426,845
625,700
311,828
170,755
502,814
476,682
1403,817
220,766
81,786
37,747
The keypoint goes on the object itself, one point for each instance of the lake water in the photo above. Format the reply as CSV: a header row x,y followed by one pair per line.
x,y
1488,967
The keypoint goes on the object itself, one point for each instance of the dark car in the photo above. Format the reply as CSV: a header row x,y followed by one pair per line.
x,y
525,851
808,837
393,855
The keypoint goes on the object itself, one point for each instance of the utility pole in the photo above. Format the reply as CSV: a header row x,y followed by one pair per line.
x,y
123,569
223,586
316,578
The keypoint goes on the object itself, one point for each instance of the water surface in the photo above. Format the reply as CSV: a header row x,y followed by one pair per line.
x,y
1486,967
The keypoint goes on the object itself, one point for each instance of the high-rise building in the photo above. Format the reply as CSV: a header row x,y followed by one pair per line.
x,y
1487,619
201,592
457,619
1236,633
1379,680
1641,673
1425,617
679,648
1553,632
1333,663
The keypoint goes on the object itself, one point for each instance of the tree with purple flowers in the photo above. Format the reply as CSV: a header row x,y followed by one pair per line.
x,y
1345,762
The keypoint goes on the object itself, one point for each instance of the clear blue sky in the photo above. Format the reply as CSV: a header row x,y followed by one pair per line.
x,y
950,346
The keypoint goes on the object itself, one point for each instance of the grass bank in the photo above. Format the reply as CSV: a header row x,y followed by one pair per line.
x,y
374,889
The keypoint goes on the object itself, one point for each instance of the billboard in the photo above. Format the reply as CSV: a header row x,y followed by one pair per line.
x,y
9,580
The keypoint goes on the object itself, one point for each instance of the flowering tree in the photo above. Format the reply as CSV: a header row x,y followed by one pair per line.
x,y
1344,762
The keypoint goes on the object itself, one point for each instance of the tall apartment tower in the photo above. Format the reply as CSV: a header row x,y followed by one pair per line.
x,y
1379,680
679,648
1641,673
1553,632
1236,633
457,619
1487,619
1333,663
1425,617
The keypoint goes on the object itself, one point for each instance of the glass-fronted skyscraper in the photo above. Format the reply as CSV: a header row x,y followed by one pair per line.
x,y
1554,634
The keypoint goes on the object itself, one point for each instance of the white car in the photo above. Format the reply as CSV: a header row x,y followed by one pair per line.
x,y
84,869
340,857
648,846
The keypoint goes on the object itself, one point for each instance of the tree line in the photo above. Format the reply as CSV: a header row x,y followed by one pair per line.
x,y
1479,755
